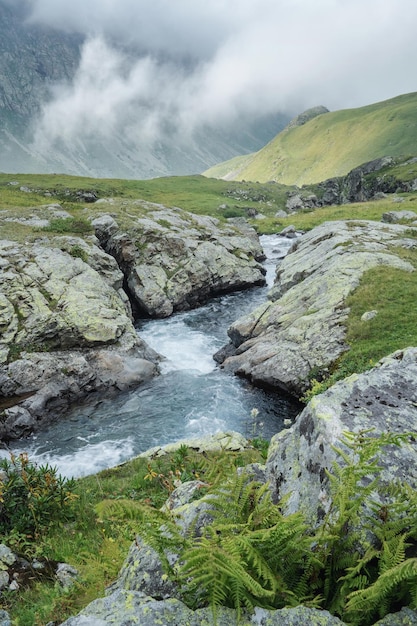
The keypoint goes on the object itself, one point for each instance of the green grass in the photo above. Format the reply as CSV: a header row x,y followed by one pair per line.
x,y
98,547
306,220
392,293
333,144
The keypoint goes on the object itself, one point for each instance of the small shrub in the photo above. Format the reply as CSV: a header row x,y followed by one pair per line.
x,y
32,497
68,225
79,253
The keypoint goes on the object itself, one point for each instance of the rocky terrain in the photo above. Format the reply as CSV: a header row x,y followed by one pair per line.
x,y
173,260
383,399
67,310
66,321
301,328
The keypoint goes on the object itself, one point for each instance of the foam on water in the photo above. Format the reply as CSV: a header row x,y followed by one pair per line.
x,y
191,398
88,459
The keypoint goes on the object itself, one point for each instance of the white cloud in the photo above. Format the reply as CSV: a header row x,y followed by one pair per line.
x,y
201,62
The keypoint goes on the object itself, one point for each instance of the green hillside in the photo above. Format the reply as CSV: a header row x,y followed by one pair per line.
x,y
330,145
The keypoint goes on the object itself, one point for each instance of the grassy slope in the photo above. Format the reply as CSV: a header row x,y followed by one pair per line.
x,y
332,144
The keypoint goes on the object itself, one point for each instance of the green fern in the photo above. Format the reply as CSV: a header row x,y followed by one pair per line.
x,y
403,575
155,527
357,564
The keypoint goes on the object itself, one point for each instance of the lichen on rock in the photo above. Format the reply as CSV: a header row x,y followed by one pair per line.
x,y
303,326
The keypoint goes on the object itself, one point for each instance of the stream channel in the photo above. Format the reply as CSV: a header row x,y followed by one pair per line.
x,y
191,398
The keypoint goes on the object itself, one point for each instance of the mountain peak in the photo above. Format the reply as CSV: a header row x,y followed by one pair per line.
x,y
306,116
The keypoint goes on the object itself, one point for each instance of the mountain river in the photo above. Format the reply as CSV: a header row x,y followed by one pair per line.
x,y
191,398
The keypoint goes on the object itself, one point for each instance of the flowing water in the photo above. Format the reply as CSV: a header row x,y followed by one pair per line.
x,y
191,398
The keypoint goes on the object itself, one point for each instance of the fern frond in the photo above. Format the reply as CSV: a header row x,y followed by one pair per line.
x,y
393,552
396,578
219,575
154,526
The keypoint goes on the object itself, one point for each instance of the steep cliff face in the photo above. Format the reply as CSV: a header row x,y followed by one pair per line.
x,y
34,60
31,60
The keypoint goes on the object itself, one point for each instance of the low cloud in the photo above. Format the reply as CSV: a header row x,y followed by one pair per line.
x,y
148,68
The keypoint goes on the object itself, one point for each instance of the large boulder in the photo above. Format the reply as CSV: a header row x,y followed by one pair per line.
x,y
302,327
66,330
384,399
124,607
173,260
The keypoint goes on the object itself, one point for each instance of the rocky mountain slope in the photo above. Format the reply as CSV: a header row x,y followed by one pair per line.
x,y
34,60
321,144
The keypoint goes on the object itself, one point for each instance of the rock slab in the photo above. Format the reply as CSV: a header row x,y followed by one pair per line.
x,y
302,326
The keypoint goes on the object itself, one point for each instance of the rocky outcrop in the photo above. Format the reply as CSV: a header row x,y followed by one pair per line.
x,y
370,181
173,260
17,573
66,330
362,183
130,607
302,327
383,399
306,116
66,320
396,217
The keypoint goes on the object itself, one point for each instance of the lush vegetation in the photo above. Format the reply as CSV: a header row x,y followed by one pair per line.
x,y
43,515
331,144
359,562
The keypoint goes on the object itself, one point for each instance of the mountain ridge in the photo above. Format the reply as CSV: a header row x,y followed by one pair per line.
x,y
330,145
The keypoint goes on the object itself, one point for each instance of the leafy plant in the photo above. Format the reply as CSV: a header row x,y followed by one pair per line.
x,y
31,496
79,253
354,563
249,555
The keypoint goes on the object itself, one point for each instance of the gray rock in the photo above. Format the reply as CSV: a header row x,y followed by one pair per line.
x,y
7,557
45,385
306,116
294,203
383,399
229,440
394,217
405,617
173,260
303,325
143,572
66,330
66,575
123,607
288,231
4,579
368,315
357,186
4,618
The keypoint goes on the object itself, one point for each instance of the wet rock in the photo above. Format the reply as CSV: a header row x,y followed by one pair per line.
x,y
66,330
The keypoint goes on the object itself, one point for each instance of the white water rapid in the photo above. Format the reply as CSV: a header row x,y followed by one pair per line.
x,y
192,397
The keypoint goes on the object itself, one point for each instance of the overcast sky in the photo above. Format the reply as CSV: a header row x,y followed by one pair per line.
x,y
201,61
